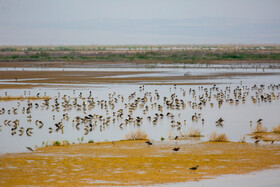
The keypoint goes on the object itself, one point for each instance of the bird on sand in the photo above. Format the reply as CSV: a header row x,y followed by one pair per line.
x,y
193,168
29,148
149,143
176,149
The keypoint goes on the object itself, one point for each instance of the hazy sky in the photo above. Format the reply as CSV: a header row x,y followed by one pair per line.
x,y
87,22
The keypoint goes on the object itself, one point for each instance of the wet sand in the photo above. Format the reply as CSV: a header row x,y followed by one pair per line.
x,y
133,163
126,162
26,79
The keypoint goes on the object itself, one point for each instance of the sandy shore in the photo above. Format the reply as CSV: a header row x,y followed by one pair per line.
x,y
120,63
133,163
26,79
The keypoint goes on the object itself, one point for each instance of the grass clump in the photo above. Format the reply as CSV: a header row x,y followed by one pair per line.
x,y
80,140
60,143
214,137
139,134
243,140
260,128
276,129
90,141
162,138
192,132
56,143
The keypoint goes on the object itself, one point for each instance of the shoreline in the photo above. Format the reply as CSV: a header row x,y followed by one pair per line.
x,y
134,163
31,79
64,64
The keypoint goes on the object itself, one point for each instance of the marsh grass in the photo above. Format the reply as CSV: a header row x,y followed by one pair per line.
x,y
80,140
60,143
243,140
276,129
192,132
9,98
260,128
214,137
139,134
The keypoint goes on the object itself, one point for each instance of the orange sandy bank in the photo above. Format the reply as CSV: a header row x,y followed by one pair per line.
x,y
133,163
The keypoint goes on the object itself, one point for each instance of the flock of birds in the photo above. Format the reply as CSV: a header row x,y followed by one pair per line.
x,y
98,114
134,109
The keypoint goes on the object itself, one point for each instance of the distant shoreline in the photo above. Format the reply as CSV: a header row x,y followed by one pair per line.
x,y
143,54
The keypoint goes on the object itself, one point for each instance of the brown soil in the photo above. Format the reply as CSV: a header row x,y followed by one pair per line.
x,y
133,163
62,78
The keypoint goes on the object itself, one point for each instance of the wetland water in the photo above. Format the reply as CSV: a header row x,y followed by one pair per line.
x,y
256,179
107,112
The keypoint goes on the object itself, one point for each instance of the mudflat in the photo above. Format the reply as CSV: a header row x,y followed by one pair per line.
x,y
133,163
26,79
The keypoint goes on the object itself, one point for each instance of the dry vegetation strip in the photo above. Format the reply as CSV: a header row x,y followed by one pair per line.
x,y
9,98
133,163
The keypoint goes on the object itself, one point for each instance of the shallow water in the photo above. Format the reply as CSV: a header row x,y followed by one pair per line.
x,y
236,117
236,125
265,178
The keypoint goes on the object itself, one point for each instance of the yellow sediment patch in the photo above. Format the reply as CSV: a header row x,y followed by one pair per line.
x,y
9,98
133,163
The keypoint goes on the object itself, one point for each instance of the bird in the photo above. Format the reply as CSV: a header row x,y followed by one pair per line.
x,y
176,137
176,149
29,148
193,168
259,120
29,131
219,121
149,143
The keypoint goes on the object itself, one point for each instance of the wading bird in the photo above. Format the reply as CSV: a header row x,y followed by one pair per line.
x,y
149,143
176,149
29,148
193,168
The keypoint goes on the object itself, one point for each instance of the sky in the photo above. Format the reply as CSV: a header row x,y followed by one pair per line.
x,y
148,22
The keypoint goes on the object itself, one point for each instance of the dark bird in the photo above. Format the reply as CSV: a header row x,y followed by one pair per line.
x,y
272,141
259,120
149,143
176,149
29,148
193,168
176,137
220,120
29,131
